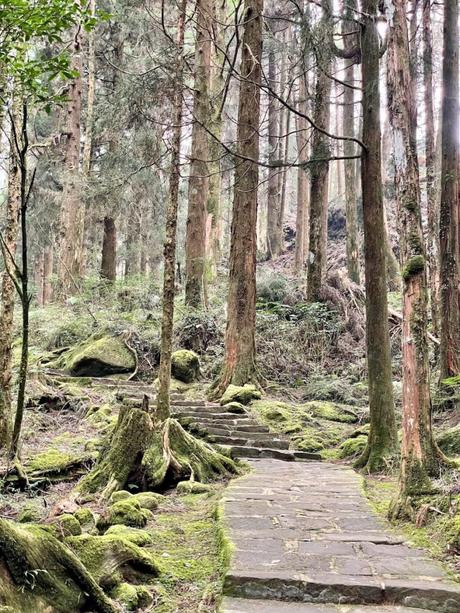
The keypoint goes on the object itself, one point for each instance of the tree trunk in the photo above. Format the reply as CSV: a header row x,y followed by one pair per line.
x,y
239,361
274,230
349,148
302,182
198,185
430,156
319,171
109,250
71,227
10,235
47,273
217,88
169,273
418,450
39,276
449,214
383,439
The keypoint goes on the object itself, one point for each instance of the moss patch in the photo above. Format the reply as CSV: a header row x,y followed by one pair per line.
x,y
449,441
185,366
126,512
331,412
353,447
244,394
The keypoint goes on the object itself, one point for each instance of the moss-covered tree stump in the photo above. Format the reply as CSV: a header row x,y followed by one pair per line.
x,y
39,574
148,453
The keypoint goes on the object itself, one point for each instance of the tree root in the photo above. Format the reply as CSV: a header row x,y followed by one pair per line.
x,y
148,454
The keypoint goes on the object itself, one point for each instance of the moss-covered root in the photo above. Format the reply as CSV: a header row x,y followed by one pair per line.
x,y
147,453
38,574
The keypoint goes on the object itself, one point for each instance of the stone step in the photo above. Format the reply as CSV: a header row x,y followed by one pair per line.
x,y
241,605
228,431
224,427
204,408
306,455
250,442
210,416
240,451
350,589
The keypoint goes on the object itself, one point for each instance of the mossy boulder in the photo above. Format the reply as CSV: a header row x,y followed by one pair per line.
x,y
449,441
86,519
353,446
235,407
120,495
98,356
66,525
185,366
127,512
147,500
112,559
331,412
132,597
193,487
133,535
242,394
56,464
38,574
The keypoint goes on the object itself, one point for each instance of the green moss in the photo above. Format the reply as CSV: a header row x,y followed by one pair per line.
x,y
235,407
31,512
414,266
126,594
127,512
185,365
134,535
193,487
112,558
353,446
67,525
50,461
331,412
449,441
149,500
120,495
244,394
86,519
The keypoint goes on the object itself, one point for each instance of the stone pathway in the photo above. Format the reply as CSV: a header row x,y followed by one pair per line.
x,y
307,541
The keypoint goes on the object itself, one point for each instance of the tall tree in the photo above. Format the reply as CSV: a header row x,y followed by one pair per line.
x,y
449,225
418,452
169,274
198,187
302,208
348,117
239,362
382,440
319,163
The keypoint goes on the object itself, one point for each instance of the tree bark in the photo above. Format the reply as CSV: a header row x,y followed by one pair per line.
x,y
319,170
418,451
47,272
198,185
239,361
349,148
302,213
10,236
449,213
430,156
169,273
71,227
382,441
109,250
274,229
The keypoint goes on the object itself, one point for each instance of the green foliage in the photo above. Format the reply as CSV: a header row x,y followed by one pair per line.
x,y
197,331
449,441
272,288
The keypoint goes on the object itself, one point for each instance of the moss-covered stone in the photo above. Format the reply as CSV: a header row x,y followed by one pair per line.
x,y
86,519
112,559
353,446
39,574
449,441
242,394
235,407
126,594
120,495
51,461
193,487
30,513
134,535
67,525
331,412
185,365
149,500
127,512
96,357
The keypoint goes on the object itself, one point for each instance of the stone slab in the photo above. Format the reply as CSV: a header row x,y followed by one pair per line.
x,y
240,605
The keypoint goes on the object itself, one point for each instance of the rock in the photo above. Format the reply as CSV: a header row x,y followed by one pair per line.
x,y
120,495
185,365
148,500
99,356
133,535
449,441
86,519
331,412
235,407
132,597
353,446
244,394
193,487
127,512
66,525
